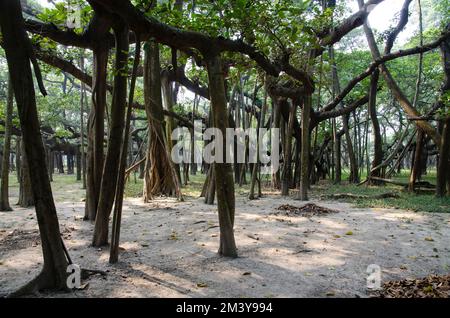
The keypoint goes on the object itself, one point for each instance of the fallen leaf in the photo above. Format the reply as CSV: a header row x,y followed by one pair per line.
x,y
429,239
202,285
349,233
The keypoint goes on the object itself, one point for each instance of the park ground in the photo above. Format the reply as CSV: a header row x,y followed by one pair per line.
x,y
168,248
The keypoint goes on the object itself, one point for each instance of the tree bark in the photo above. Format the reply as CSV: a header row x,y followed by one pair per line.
x,y
443,172
443,180
82,128
117,216
96,133
287,170
4,193
159,176
115,136
18,51
305,151
25,190
259,125
222,171
378,147
417,161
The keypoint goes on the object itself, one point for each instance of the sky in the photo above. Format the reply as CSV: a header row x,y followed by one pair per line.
x,y
380,18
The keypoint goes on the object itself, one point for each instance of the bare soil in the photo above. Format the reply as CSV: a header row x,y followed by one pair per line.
x,y
168,249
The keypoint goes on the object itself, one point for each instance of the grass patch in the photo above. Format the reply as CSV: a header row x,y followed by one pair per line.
x,y
406,201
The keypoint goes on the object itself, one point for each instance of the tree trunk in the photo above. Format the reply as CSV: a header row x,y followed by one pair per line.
x,y
443,172
354,175
160,176
78,164
25,188
444,162
378,147
82,128
304,172
287,170
115,136
96,126
117,216
222,171
4,194
276,125
256,166
18,53
416,166
406,105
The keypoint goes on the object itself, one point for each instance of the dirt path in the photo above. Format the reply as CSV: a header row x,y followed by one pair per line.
x,y
169,249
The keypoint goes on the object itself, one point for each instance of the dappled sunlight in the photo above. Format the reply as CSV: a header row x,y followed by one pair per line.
x,y
169,248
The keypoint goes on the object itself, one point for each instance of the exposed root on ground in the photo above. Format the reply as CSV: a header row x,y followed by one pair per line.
x,y
338,196
307,210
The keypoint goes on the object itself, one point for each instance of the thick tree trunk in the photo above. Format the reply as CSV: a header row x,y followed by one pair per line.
x,y
25,190
443,180
193,163
256,166
287,169
96,126
115,137
443,173
337,154
168,98
18,53
82,128
70,163
4,194
417,161
18,158
78,164
354,175
276,183
117,216
210,193
377,140
159,176
222,171
305,151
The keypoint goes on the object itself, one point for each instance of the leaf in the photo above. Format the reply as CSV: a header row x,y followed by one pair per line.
x,y
429,239
349,233
202,285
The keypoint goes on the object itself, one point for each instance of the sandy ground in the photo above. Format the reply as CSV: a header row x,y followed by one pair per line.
x,y
169,249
